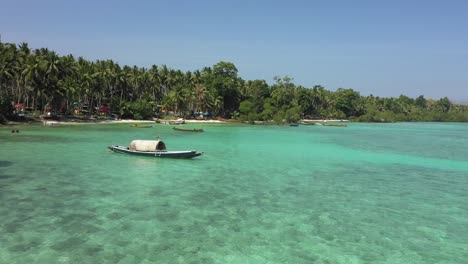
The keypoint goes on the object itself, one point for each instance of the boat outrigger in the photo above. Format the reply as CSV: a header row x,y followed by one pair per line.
x,y
154,148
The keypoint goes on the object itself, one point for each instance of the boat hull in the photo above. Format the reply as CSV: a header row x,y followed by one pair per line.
x,y
188,130
183,154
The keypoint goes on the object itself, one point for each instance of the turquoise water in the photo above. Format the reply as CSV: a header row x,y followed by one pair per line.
x,y
368,193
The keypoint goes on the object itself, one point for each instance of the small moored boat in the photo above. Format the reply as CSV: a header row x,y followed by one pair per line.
x,y
188,130
179,121
138,126
334,125
154,148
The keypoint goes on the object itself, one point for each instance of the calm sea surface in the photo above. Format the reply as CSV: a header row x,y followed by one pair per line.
x,y
368,193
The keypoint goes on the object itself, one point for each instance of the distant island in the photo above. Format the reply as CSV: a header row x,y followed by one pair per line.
x,y
39,82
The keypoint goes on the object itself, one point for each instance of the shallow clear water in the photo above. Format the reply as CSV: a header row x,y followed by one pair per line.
x,y
368,193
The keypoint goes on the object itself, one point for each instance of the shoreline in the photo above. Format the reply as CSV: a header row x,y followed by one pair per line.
x,y
133,121
103,122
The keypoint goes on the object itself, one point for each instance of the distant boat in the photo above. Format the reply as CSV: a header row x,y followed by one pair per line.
x,y
172,122
327,124
177,122
188,130
138,126
154,148
307,124
294,124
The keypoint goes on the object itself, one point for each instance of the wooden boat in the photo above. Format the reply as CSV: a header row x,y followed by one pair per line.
x,y
334,125
294,124
171,122
154,148
188,130
138,126
177,122
307,123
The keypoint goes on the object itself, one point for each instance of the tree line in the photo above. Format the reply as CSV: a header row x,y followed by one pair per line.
x,y
42,81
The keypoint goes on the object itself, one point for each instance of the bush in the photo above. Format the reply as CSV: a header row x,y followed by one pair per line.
x,y
293,114
6,108
139,110
3,120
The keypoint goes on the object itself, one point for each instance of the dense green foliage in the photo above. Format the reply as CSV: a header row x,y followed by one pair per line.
x,y
42,81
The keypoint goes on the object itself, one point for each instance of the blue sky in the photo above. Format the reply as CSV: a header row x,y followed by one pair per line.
x,y
385,48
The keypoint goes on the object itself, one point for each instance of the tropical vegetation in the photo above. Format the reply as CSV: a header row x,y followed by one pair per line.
x,y
41,82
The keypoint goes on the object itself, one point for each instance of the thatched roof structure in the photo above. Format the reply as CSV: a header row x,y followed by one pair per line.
x,y
147,145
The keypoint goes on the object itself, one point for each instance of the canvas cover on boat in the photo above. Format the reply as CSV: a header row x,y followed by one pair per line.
x,y
147,145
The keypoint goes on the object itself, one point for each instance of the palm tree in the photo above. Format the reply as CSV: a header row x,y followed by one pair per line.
x,y
163,79
109,73
7,58
155,83
201,96
179,97
23,52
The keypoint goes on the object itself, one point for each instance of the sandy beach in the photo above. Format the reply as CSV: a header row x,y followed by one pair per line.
x,y
132,121
121,121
